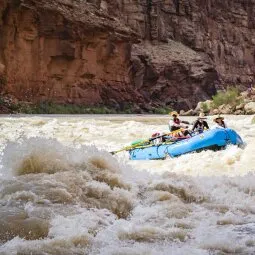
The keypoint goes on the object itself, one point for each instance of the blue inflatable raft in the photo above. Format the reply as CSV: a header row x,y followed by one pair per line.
x,y
211,139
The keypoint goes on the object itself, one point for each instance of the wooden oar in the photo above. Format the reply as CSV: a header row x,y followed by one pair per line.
x,y
127,148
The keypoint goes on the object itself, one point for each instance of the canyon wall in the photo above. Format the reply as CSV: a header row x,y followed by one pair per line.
x,y
146,53
66,52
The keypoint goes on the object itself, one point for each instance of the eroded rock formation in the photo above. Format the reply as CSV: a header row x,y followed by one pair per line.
x,y
222,29
146,52
65,51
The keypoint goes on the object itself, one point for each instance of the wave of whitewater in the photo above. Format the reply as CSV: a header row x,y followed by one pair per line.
x,y
61,192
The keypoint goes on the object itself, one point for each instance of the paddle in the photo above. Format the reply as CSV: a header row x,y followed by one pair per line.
x,y
127,148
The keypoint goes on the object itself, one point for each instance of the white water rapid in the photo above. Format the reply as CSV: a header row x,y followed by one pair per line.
x,y
62,193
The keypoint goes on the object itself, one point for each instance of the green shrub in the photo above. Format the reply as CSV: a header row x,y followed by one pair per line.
x,y
14,107
162,110
53,108
226,97
205,107
253,120
2,101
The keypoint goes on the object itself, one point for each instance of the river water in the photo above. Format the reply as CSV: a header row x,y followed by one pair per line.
x,y
62,193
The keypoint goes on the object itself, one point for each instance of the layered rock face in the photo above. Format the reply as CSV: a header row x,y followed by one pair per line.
x,y
64,51
222,29
221,32
87,51
173,74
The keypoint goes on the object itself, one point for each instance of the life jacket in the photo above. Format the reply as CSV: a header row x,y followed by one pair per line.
x,y
176,121
200,127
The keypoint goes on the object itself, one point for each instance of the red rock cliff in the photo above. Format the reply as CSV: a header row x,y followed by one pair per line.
x,y
64,51
88,51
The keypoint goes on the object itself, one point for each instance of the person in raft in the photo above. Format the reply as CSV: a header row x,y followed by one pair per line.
x,y
220,123
176,123
200,125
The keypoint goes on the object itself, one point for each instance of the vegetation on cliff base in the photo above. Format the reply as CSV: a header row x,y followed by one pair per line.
x,y
205,108
161,110
54,108
230,96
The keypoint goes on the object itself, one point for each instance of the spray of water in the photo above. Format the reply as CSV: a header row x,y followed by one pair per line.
x,y
63,193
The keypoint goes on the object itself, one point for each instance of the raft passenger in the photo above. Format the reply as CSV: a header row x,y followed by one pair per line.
x,y
175,123
220,123
200,125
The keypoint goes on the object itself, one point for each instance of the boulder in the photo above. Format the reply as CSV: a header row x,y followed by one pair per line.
x,y
244,94
239,112
215,111
203,106
246,100
182,112
225,109
221,107
188,113
198,107
240,98
250,108
240,106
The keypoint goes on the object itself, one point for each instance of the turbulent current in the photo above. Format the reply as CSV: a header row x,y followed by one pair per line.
x,y
63,193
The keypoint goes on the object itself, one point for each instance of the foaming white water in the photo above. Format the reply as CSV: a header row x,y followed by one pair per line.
x,y
61,192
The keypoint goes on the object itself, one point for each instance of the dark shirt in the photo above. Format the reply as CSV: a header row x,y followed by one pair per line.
x,y
222,124
200,125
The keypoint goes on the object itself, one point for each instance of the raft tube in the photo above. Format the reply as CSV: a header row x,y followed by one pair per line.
x,y
215,139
